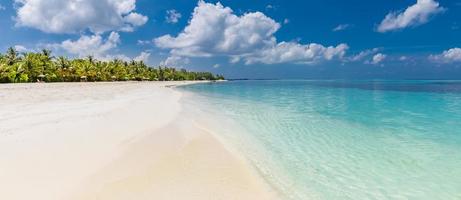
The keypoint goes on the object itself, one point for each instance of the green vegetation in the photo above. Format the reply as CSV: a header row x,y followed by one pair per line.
x,y
43,67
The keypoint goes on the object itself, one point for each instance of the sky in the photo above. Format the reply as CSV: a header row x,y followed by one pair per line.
x,y
264,39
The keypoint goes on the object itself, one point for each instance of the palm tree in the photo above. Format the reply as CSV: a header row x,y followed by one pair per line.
x,y
90,59
11,56
46,69
42,66
63,65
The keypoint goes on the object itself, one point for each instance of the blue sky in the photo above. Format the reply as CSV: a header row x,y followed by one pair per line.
x,y
262,39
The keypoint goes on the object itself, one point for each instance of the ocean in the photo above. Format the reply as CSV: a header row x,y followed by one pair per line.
x,y
341,139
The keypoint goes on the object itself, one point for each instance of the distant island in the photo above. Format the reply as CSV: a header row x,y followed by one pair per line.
x,y
42,66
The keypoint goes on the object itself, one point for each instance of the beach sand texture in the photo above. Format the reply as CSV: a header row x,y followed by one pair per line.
x,y
97,141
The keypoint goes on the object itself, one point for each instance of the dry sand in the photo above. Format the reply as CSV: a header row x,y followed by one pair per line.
x,y
98,141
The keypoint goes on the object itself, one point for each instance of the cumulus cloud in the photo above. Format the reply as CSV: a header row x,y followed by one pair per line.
x,y
363,55
135,19
100,46
414,15
144,56
144,42
21,48
290,52
448,56
341,27
172,16
73,16
378,58
175,61
94,45
214,30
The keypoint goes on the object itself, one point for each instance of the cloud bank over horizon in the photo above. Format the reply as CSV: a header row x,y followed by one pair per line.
x,y
452,55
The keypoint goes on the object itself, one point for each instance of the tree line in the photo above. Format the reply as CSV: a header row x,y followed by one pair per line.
x,y
42,66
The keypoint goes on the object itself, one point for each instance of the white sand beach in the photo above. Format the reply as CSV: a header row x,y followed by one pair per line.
x,y
117,141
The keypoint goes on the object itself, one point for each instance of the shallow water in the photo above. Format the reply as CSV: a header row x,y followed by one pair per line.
x,y
343,139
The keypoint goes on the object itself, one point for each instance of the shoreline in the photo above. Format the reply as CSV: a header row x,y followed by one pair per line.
x,y
113,141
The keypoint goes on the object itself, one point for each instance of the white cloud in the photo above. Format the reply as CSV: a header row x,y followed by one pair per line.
x,y
2,7
290,52
172,16
125,57
73,16
175,61
403,58
216,65
144,56
234,59
144,42
98,46
115,56
448,56
378,58
341,27
94,45
414,15
214,30
363,54
21,48
135,19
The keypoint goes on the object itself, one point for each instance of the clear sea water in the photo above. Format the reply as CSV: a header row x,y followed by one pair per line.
x,y
342,139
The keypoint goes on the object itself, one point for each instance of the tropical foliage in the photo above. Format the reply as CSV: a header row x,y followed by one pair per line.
x,y
43,67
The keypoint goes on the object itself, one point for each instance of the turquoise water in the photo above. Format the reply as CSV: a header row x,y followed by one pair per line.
x,y
343,139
